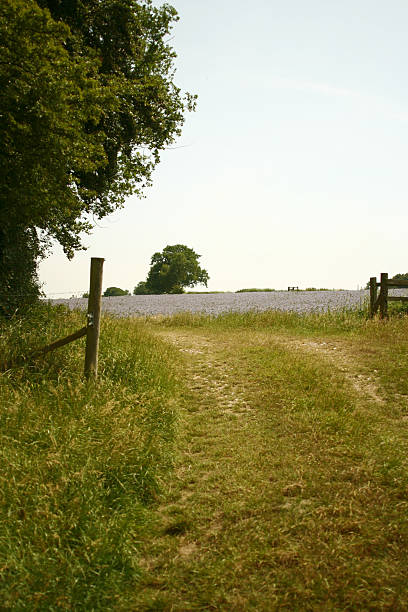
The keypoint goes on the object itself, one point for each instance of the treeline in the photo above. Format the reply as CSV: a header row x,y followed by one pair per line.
x,y
140,289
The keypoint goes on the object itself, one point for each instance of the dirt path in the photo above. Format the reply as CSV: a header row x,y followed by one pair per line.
x,y
219,437
341,357
247,509
210,374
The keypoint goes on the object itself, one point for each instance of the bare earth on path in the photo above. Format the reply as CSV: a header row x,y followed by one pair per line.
x,y
338,354
274,502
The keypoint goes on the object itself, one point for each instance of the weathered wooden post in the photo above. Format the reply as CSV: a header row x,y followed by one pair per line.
x,y
94,317
384,296
373,295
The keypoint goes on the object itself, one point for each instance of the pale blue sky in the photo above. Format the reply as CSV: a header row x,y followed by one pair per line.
x,y
293,169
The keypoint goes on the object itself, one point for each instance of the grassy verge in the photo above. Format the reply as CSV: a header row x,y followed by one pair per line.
x,y
80,463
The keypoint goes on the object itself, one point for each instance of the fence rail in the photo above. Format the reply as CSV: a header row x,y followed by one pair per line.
x,y
379,301
91,329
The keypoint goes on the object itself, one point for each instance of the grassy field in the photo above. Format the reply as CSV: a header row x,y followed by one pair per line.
x,y
245,462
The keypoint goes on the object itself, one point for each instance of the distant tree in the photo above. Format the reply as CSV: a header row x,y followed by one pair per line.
x,y
253,290
175,268
115,291
141,289
403,277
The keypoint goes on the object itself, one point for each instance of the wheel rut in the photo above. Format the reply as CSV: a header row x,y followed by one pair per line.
x,y
207,476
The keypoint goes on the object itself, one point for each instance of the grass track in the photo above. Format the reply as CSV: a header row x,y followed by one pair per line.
x,y
291,488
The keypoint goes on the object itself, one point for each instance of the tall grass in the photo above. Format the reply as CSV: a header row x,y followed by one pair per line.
x,y
334,321
80,463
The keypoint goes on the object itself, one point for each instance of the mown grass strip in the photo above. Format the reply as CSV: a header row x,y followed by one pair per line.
x,y
299,503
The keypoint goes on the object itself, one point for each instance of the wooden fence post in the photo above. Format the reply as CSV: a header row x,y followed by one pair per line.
x,y
384,296
94,316
373,295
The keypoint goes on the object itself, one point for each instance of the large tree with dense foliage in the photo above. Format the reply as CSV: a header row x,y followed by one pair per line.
x,y
175,268
87,102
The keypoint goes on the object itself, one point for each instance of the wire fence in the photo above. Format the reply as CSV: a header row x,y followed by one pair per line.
x,y
54,295
90,330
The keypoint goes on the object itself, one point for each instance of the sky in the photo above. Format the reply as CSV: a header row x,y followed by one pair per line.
x,y
292,170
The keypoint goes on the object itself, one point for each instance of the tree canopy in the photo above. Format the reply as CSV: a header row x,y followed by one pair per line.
x,y
171,270
402,276
115,291
87,102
